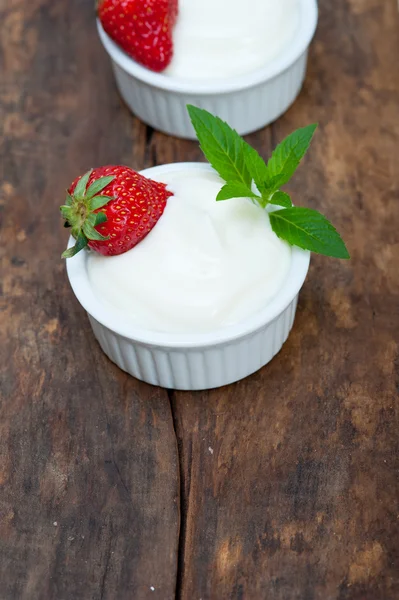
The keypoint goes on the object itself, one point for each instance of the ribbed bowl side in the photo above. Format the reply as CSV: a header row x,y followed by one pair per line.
x,y
197,368
246,110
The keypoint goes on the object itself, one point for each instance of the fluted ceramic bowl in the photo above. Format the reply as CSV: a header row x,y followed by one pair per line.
x,y
247,103
196,361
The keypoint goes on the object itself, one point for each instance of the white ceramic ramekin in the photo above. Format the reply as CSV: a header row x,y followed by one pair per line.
x,y
247,103
191,361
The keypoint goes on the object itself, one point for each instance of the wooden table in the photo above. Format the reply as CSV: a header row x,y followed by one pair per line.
x,y
281,487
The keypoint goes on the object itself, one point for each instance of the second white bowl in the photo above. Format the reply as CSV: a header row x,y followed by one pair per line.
x,y
247,103
191,361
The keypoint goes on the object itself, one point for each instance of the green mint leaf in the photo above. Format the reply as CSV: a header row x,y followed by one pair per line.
x,y
81,243
99,201
309,230
235,190
100,218
281,199
256,167
81,186
93,234
221,145
98,185
287,156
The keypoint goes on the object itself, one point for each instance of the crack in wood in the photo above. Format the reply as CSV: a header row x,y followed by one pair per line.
x,y
107,562
183,507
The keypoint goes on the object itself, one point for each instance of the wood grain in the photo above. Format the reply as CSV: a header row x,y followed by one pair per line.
x,y
89,505
290,478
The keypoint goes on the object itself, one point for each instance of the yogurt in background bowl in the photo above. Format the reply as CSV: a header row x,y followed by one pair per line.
x,y
219,39
248,101
184,357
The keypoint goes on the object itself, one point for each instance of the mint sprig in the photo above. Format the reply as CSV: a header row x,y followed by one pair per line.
x,y
248,176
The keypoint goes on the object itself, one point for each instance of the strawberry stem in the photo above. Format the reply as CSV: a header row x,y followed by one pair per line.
x,y
79,211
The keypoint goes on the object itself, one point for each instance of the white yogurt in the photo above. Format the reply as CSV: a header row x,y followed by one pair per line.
x,y
205,265
225,38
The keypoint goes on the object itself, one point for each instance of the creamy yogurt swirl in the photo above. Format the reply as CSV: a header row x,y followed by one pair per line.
x,y
205,265
217,39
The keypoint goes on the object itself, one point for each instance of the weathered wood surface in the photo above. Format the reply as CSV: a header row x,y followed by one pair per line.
x,y
289,480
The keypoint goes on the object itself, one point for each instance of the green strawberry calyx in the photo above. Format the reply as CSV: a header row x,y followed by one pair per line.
x,y
80,211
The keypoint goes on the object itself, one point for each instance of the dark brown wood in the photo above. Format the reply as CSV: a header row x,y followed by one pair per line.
x,y
89,505
289,479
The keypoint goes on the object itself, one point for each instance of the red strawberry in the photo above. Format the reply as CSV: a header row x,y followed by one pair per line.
x,y
111,209
142,28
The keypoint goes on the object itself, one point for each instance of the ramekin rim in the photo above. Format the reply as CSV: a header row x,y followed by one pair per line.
x,y
302,40
79,281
